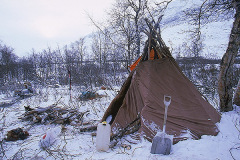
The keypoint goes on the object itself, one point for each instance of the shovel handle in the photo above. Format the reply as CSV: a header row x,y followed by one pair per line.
x,y
167,101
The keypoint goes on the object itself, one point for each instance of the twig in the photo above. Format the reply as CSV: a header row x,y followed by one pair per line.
x,y
2,150
135,149
238,145
234,148
130,128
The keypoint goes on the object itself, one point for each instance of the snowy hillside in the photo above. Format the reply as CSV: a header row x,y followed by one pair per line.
x,y
176,30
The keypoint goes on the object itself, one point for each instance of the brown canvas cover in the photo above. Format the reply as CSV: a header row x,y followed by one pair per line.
x,y
189,115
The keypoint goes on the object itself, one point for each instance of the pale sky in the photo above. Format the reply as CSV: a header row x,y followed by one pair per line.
x,y
38,24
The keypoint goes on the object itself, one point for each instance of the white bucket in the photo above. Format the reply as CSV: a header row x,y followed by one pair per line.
x,y
103,136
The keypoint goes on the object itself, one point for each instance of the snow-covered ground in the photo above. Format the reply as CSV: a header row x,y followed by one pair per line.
x,y
73,144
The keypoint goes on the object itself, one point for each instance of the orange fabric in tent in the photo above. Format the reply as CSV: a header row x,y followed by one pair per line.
x,y
135,63
151,55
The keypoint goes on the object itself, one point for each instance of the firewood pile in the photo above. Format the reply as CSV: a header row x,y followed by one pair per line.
x,y
53,115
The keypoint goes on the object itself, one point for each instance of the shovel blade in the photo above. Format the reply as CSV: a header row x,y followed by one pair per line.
x,y
161,145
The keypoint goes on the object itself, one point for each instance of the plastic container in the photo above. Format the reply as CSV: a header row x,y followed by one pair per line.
x,y
50,138
103,136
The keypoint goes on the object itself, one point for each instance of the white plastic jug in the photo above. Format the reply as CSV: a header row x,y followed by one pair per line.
x,y
103,136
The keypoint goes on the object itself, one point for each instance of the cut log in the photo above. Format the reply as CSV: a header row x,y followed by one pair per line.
x,y
89,129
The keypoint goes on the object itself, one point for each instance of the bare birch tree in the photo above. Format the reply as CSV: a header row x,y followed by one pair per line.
x,y
225,77
217,8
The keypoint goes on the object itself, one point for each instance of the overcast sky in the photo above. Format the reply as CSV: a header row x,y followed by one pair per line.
x,y
38,24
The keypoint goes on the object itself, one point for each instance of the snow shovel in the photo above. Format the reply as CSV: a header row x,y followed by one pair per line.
x,y
162,142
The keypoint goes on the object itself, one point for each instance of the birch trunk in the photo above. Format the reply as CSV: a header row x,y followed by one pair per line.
x,y
225,90
236,99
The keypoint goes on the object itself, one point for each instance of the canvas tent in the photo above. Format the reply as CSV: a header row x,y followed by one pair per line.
x,y
189,114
